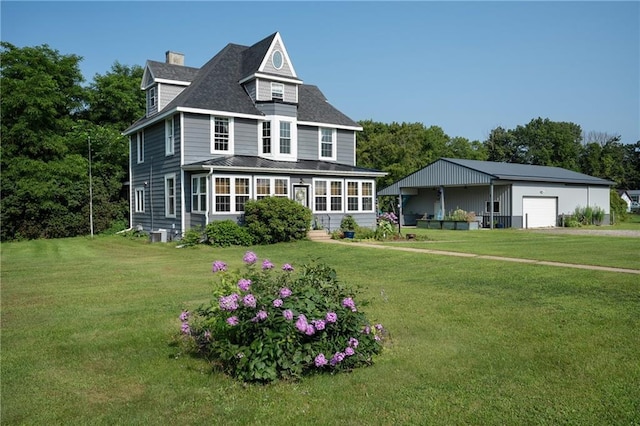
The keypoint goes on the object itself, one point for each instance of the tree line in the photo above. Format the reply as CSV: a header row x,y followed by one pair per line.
x,y
52,124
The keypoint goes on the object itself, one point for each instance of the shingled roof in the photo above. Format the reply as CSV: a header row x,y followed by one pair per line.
x,y
216,87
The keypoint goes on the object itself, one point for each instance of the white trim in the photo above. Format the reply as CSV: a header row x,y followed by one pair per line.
x,y
275,138
281,86
212,129
131,187
140,147
289,171
334,143
232,193
334,126
174,82
360,195
328,196
181,139
277,39
258,75
206,193
272,192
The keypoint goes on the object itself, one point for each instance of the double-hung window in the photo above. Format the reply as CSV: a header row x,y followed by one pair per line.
x,y
170,195
168,136
272,187
139,200
152,97
199,194
327,144
277,91
140,147
221,135
266,137
285,137
359,196
328,195
231,193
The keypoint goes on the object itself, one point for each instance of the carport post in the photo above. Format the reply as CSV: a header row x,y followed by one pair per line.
x,y
491,205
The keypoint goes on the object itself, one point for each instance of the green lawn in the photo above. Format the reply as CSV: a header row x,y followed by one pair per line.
x,y
87,328
620,252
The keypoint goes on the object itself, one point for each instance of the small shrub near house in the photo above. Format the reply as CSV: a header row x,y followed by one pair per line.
x,y
276,219
226,233
268,323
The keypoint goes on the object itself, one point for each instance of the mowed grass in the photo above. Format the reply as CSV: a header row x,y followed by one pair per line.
x,y
87,328
570,247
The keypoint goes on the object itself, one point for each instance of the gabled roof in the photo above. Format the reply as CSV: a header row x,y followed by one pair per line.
x,y
215,88
170,72
527,172
458,172
258,164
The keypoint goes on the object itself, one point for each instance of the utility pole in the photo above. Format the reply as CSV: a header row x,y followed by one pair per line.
x,y
90,189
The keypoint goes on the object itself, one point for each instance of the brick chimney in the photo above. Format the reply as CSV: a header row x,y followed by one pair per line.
x,y
175,58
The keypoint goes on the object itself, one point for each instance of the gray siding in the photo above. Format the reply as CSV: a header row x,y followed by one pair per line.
x,y
151,109
197,138
346,148
150,175
277,108
250,87
307,143
245,136
168,92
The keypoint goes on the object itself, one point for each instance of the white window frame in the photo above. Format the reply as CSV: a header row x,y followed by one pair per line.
x,y
140,147
277,91
275,138
329,195
233,195
201,208
153,99
334,148
262,138
169,132
169,197
230,135
139,198
360,195
272,186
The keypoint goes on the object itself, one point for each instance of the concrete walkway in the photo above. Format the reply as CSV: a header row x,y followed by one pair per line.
x,y
480,256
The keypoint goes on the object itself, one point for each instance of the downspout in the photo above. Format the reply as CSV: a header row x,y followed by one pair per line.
x,y
491,204
209,185
151,191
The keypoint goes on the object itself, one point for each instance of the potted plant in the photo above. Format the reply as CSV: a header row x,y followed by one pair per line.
x,y
348,226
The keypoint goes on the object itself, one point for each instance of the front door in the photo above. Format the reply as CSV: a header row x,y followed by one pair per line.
x,y
301,194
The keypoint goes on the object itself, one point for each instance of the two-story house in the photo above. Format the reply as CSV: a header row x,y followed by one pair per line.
x,y
243,126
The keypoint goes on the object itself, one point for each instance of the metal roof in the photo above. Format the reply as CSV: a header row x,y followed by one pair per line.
x,y
454,171
243,163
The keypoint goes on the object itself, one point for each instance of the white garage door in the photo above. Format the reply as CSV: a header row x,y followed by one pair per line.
x,y
539,212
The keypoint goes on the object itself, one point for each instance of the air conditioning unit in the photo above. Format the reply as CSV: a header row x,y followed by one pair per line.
x,y
159,236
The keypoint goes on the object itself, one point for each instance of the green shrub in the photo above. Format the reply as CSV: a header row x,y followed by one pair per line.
x,y
225,233
348,223
265,325
193,237
618,207
276,219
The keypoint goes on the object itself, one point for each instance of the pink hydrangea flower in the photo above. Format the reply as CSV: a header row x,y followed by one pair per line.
x,y
277,303
267,264
287,267
250,257
249,301
320,360
244,284
285,292
287,314
301,324
331,317
349,303
233,321
219,266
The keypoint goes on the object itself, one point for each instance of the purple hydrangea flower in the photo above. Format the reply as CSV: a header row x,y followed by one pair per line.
x,y
285,292
301,323
184,316
250,257
249,301
233,320
185,328
287,267
349,303
366,330
377,338
287,314
337,358
379,327
349,351
320,360
331,317
244,284
260,316
219,266
277,303
310,331
267,264
319,324
229,303
353,342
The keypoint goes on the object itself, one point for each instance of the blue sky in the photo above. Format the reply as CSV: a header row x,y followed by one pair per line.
x,y
467,67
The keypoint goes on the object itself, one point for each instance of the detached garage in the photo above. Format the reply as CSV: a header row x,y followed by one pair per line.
x,y
500,194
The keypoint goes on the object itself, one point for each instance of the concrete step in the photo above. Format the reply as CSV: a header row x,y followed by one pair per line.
x,y
318,235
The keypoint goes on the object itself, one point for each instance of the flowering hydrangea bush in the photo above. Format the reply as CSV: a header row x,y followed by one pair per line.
x,y
267,323
386,226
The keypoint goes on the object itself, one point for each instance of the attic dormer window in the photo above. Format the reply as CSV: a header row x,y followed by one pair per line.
x,y
277,91
152,97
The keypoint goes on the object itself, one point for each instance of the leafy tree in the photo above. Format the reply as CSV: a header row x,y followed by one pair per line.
x,y
550,143
502,146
